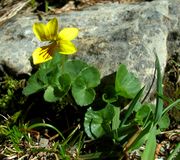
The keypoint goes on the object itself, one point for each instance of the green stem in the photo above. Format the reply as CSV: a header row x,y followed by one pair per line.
x,y
46,5
63,60
46,125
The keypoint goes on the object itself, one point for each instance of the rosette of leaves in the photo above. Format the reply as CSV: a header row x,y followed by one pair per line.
x,y
58,76
107,121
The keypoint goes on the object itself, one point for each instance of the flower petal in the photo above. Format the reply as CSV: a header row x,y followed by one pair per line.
x,y
66,47
39,30
68,34
52,29
46,32
43,54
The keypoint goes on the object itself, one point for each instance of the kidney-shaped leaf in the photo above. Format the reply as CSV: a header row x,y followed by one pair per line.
x,y
126,84
82,95
49,95
33,85
142,113
64,84
90,76
74,67
97,123
82,87
164,122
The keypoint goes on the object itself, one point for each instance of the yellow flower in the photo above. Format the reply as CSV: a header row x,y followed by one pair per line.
x,y
59,42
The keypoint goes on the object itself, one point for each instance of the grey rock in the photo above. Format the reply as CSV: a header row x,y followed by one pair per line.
x,y
43,142
110,34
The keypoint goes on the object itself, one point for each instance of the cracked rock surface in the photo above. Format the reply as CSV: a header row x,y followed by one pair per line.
x,y
110,34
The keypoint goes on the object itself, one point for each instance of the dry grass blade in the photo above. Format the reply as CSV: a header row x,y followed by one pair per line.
x,y
11,11
71,4
68,7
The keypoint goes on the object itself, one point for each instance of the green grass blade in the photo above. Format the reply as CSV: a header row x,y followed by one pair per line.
x,y
139,141
46,125
96,155
71,135
33,3
159,90
149,152
80,143
164,98
46,6
177,102
131,107
175,153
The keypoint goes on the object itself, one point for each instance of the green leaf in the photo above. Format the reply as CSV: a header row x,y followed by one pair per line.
x,y
95,155
49,95
142,113
159,90
177,102
53,76
178,107
82,87
50,71
138,106
82,95
131,106
116,119
74,67
149,152
126,84
70,136
33,86
52,64
48,126
142,137
58,59
47,74
64,84
15,116
97,123
124,133
164,122
41,75
110,95
175,155
90,76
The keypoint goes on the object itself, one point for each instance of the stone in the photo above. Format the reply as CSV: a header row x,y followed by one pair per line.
x,y
110,34
43,142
